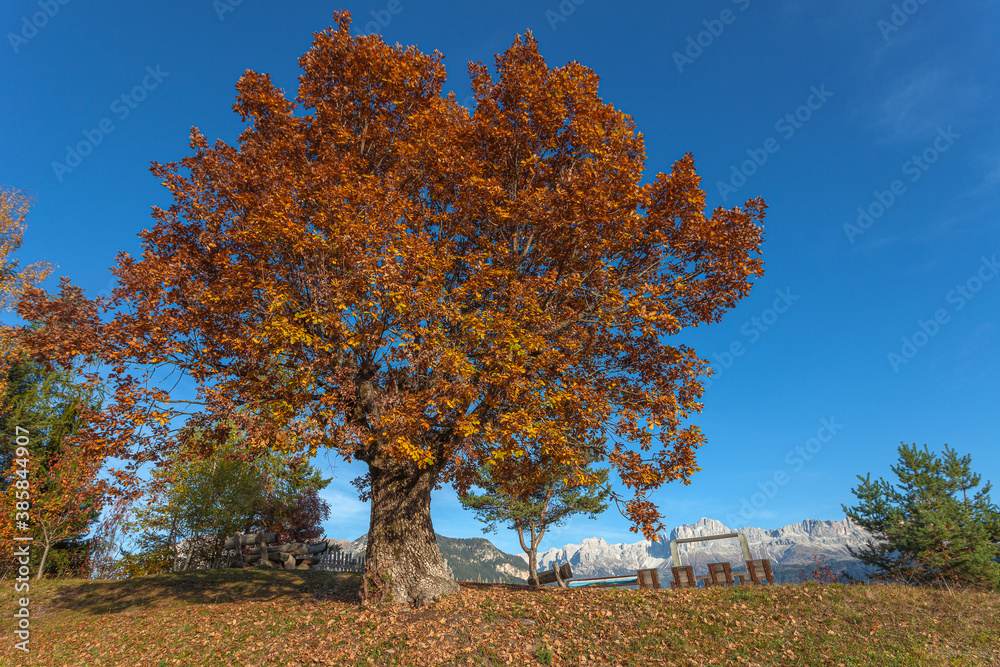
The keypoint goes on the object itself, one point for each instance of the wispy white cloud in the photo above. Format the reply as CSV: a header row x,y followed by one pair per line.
x,y
897,109
949,220
993,177
990,180
965,364
916,104
344,504
982,336
925,267
842,18
877,243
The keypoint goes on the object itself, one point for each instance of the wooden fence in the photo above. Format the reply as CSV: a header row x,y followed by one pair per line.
x,y
338,561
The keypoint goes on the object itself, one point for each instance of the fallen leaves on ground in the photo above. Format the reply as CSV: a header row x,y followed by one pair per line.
x,y
313,618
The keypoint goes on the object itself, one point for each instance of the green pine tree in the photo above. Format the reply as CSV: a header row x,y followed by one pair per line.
x,y
930,529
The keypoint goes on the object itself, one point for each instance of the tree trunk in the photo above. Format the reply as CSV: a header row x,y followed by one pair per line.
x,y
49,541
190,555
532,552
41,565
402,560
533,567
172,541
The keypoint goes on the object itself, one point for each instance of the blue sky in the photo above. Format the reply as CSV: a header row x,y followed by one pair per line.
x,y
870,128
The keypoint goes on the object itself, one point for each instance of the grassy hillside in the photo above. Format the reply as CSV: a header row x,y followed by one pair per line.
x,y
259,617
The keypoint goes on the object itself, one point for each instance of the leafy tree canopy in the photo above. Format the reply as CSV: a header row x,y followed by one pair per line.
x,y
423,287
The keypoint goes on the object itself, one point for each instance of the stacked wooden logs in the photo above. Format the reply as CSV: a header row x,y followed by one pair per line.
x,y
265,553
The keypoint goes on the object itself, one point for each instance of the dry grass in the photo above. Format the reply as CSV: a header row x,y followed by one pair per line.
x,y
312,618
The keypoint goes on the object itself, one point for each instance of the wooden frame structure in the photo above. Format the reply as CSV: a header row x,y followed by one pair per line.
x,y
683,577
675,555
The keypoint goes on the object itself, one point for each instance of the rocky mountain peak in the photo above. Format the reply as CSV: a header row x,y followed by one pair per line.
x,y
702,528
794,544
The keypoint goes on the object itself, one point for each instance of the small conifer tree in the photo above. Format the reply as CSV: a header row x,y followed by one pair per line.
x,y
930,529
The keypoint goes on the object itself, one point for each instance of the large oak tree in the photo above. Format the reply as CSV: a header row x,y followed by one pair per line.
x,y
425,288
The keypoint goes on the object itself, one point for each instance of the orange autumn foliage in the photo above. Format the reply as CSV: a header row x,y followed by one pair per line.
x,y
14,280
60,490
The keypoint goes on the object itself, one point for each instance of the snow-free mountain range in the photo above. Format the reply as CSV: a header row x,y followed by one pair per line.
x,y
790,548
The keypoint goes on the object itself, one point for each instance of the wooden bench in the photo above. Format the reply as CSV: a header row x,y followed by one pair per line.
x,y
648,579
759,570
720,574
683,577
556,576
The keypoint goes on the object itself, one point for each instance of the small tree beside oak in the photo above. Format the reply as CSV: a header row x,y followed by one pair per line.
x,y
204,497
549,504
